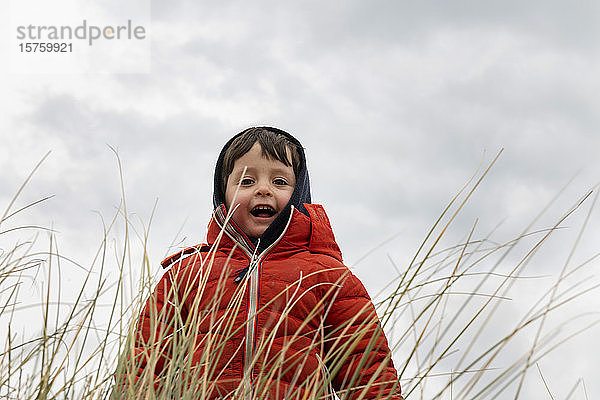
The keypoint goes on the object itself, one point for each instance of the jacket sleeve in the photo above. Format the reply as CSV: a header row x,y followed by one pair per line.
x,y
358,355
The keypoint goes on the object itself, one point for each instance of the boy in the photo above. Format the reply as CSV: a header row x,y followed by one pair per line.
x,y
266,309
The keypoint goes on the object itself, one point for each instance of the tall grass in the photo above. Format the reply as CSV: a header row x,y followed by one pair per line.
x,y
440,314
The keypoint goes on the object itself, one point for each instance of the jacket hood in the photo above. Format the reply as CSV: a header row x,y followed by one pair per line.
x,y
300,195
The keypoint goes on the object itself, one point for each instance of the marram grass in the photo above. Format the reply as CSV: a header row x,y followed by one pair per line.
x,y
438,312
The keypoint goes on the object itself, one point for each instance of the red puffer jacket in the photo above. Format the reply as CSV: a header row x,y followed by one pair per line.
x,y
289,323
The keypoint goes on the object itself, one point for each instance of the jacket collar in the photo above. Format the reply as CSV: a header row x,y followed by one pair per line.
x,y
312,233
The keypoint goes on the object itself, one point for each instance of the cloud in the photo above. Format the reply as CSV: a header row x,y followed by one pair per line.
x,y
395,102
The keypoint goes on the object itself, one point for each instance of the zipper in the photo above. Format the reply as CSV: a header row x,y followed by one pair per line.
x,y
254,277
250,328
253,261
252,308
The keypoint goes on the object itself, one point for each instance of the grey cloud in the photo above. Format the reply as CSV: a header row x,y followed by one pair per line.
x,y
394,101
329,24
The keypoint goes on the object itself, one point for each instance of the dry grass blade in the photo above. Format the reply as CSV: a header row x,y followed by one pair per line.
x,y
5,215
544,380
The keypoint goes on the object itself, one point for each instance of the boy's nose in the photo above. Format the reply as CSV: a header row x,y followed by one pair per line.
x,y
263,190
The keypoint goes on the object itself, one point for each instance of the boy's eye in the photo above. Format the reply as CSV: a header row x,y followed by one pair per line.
x,y
246,181
280,181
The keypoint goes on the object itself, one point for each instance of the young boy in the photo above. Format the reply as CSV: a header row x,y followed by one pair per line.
x,y
266,309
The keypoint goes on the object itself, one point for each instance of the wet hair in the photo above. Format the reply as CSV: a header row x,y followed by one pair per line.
x,y
274,145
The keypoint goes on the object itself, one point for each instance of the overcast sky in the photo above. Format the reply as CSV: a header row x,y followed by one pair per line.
x,y
396,103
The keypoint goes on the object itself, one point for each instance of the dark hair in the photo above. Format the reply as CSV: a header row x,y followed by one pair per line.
x,y
274,145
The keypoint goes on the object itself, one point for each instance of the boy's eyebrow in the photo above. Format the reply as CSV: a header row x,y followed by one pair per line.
x,y
239,171
251,169
283,170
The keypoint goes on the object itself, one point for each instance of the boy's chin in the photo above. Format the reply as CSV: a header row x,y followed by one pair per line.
x,y
255,234
256,231
259,226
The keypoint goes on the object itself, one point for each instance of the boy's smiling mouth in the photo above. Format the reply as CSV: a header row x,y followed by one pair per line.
x,y
263,211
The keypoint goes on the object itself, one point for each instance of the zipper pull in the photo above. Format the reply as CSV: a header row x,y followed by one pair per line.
x,y
240,275
253,260
242,272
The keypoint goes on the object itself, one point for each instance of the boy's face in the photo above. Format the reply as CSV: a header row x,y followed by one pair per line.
x,y
265,190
